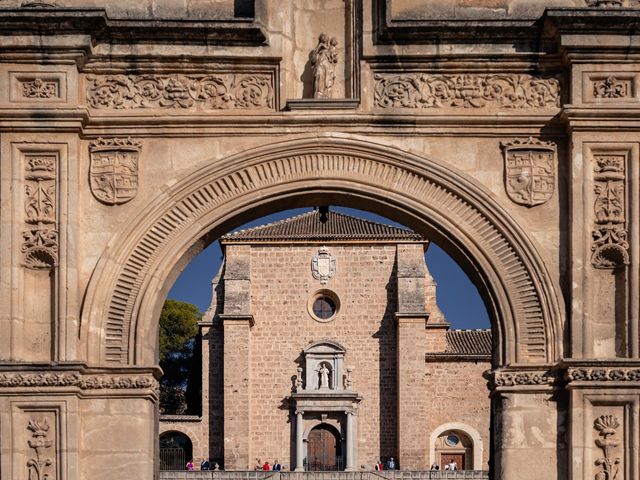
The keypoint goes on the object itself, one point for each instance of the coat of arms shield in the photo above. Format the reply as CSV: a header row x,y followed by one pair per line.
x,y
113,173
323,265
530,170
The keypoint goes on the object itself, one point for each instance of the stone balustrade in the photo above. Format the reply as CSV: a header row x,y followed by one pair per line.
x,y
364,475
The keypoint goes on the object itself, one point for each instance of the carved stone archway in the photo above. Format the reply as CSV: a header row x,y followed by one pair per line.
x,y
127,289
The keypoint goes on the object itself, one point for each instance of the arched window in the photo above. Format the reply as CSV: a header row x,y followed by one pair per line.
x,y
176,450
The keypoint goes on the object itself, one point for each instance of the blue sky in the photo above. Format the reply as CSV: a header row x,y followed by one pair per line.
x,y
458,298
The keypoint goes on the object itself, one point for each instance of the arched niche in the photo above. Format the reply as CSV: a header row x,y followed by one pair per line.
x,y
140,263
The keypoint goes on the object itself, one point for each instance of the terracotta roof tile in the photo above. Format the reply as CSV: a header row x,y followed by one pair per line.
x,y
309,226
468,342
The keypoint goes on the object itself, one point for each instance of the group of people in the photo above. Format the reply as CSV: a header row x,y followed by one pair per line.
x,y
390,465
276,466
204,465
452,465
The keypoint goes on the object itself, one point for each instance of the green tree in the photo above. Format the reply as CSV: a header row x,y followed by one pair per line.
x,y
178,357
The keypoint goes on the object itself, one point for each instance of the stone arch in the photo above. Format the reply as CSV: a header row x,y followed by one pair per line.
x,y
472,433
127,288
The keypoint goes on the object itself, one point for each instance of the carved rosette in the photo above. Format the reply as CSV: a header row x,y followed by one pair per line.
x,y
529,170
610,246
40,466
113,170
607,466
39,88
40,238
323,265
423,90
611,87
185,92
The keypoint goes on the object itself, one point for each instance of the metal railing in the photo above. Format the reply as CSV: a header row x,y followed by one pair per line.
x,y
359,475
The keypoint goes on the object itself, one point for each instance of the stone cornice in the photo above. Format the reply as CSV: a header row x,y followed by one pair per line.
x,y
96,22
526,379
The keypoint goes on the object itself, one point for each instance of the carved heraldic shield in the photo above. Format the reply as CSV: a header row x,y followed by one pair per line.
x,y
530,170
323,265
113,174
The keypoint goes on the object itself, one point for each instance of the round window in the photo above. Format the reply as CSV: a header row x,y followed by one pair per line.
x,y
452,440
323,306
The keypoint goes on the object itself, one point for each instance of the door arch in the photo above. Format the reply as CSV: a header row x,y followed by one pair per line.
x,y
126,291
324,449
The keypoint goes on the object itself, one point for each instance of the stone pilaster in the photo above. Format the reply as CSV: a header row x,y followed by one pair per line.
x,y
411,319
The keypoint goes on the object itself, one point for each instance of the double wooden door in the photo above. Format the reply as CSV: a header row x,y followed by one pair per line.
x,y
324,449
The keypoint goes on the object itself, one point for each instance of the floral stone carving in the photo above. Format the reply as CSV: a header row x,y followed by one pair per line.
x,y
39,466
422,90
607,466
39,89
529,170
186,92
610,246
611,87
113,171
323,64
40,239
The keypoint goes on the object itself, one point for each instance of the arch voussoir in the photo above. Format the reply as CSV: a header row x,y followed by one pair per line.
x,y
527,300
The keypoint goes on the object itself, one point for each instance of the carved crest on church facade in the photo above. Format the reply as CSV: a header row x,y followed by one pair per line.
x,y
323,265
113,174
530,170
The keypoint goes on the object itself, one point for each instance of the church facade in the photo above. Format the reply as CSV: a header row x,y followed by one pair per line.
x,y
301,361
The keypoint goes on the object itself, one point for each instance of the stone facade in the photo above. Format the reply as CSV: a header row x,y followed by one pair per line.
x,y
427,102
371,270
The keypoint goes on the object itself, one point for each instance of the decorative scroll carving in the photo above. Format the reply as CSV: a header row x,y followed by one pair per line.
x,y
605,3
610,246
38,88
84,382
603,374
323,265
323,64
611,87
530,170
511,379
40,240
206,92
607,467
113,173
39,466
422,90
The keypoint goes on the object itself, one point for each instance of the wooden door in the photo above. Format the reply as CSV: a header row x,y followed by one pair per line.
x,y
445,459
323,449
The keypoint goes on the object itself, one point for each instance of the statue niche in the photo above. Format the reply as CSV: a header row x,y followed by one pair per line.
x,y
323,367
323,65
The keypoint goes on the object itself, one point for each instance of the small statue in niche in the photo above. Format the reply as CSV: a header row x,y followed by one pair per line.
x,y
323,372
323,64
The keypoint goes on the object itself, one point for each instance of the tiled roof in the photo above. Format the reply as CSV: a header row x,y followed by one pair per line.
x,y
310,226
468,342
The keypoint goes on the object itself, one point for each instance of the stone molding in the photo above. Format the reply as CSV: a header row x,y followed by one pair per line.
x,y
520,272
76,379
421,90
223,91
603,374
521,378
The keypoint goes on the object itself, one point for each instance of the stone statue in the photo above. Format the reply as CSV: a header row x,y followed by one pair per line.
x,y
323,64
324,376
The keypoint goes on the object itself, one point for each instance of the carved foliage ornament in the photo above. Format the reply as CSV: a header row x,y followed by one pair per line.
x,y
610,246
40,238
38,88
113,171
611,87
604,374
39,466
529,170
422,90
605,3
323,265
512,379
206,92
91,382
608,466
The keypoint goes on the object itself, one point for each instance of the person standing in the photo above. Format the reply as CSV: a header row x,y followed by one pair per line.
x,y
453,465
266,466
190,467
205,465
391,464
276,466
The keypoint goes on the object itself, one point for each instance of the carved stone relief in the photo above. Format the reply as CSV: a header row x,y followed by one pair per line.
x,y
323,64
84,382
607,466
423,90
323,265
605,3
610,246
186,92
113,171
528,378
615,374
612,87
40,465
39,88
40,238
529,170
